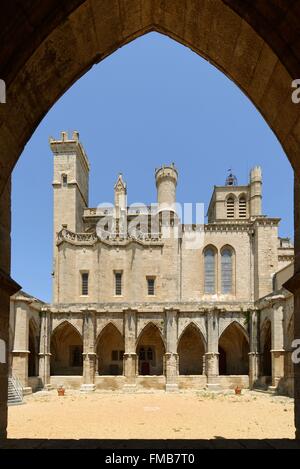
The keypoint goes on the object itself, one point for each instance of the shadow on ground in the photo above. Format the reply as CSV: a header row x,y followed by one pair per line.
x,y
218,443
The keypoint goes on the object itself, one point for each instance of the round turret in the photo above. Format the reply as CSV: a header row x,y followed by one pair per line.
x,y
255,191
166,182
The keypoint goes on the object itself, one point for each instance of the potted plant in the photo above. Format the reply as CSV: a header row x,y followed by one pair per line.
x,y
61,390
238,390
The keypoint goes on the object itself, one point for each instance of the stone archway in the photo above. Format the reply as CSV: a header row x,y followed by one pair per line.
x,y
110,351
233,351
191,350
255,45
66,351
150,351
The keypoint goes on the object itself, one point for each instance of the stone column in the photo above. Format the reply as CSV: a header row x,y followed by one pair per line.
x,y
277,351
44,353
20,350
89,355
7,288
293,285
212,354
254,355
130,356
171,356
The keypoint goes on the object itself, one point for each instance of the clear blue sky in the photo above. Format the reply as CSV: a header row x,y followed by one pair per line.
x,y
151,102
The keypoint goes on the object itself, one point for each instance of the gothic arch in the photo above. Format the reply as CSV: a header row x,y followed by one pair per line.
x,y
242,39
148,325
103,327
150,349
110,349
231,195
228,322
199,331
191,348
234,350
66,347
62,322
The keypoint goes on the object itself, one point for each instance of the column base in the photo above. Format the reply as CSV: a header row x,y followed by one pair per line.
x,y
47,387
129,388
87,388
172,387
214,387
27,390
272,389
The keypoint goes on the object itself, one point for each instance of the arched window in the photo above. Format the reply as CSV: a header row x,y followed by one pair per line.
x,y
149,353
230,207
226,270
142,354
242,207
64,180
209,271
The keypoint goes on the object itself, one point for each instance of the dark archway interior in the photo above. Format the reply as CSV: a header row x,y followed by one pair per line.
x,y
66,351
150,352
233,350
191,351
110,350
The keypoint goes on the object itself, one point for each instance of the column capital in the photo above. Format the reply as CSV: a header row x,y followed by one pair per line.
x,y
171,354
20,352
130,310
171,309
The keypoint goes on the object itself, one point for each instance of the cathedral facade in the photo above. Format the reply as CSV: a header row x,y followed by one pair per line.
x,y
143,301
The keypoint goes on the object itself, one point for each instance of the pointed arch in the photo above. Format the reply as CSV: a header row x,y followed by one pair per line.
x,y
191,349
110,350
66,322
150,350
230,204
150,324
234,350
66,348
102,329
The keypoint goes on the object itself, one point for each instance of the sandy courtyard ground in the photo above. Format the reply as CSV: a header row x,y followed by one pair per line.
x,y
152,415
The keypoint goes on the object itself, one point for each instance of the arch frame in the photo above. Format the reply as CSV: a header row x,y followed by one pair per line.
x,y
148,325
234,322
65,322
199,331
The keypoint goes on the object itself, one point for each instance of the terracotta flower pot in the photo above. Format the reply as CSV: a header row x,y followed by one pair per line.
x,y
238,390
61,391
